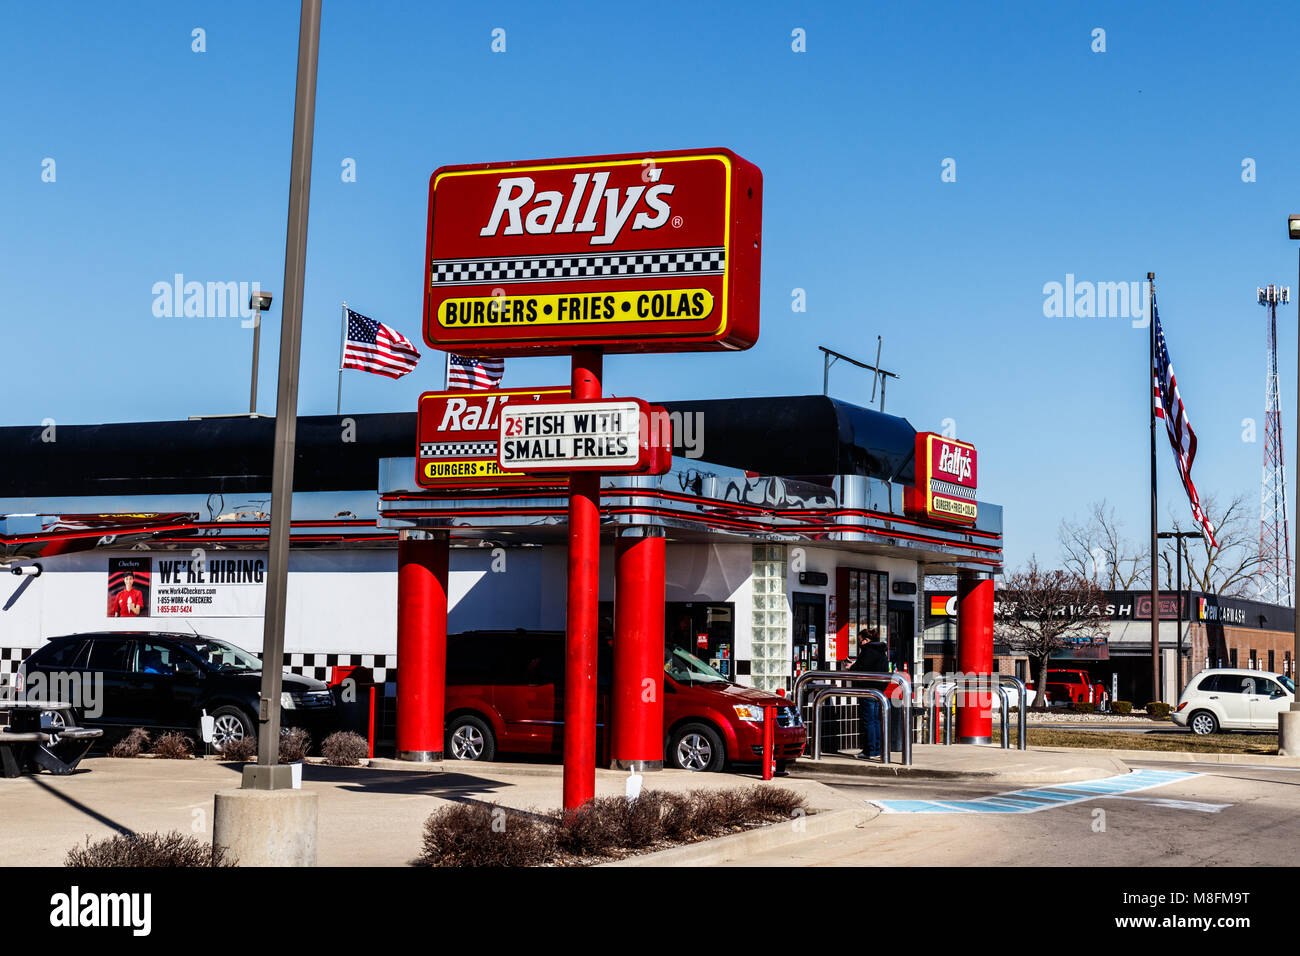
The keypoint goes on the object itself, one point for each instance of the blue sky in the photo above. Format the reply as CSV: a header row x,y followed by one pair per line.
x,y
1101,165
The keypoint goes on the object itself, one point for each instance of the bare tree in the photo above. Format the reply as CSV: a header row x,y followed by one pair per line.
x,y
1097,550
1039,611
1232,567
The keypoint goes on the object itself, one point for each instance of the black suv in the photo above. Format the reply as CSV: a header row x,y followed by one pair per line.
x,y
162,681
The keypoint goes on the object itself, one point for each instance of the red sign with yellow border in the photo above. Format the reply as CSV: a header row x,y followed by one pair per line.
x,y
457,437
946,479
653,252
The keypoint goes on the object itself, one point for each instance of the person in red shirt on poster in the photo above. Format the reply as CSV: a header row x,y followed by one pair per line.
x,y
128,602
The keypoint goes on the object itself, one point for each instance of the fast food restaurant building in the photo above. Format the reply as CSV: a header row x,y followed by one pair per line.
x,y
790,530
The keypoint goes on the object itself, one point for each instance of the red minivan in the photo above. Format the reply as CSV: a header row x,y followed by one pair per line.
x,y
505,694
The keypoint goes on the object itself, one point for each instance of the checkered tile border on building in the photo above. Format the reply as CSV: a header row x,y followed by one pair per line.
x,y
458,449
320,666
703,261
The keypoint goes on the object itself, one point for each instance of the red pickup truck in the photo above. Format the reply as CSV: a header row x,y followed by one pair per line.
x,y
1074,687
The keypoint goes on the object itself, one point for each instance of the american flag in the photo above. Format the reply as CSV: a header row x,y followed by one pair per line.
x,y
374,347
1169,406
476,374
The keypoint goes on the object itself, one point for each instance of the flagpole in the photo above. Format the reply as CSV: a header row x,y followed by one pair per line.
x,y
446,371
338,406
1155,578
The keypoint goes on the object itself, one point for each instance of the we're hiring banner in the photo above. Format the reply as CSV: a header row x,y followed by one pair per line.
x,y
219,584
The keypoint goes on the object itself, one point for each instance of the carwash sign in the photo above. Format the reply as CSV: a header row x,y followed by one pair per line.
x,y
946,479
626,253
622,435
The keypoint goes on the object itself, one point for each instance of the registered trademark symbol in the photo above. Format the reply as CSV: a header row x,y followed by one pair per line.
x,y
677,222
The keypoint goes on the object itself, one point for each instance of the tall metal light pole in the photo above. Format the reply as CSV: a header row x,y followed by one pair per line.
x,y
1288,722
267,774
259,302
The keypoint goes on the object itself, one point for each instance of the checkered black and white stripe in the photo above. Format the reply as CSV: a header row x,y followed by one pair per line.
x,y
953,490
321,666
703,261
11,657
458,449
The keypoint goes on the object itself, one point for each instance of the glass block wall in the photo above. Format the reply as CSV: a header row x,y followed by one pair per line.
x,y
770,669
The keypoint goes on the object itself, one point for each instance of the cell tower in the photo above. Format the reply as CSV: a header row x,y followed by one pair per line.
x,y
1274,537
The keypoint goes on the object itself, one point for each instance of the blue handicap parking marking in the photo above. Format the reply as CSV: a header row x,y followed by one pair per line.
x,y
912,806
1035,799
976,806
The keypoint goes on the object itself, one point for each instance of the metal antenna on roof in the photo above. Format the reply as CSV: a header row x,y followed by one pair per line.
x,y
875,375
830,357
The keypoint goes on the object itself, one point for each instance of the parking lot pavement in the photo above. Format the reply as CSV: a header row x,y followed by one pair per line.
x,y
971,762
366,817
1218,815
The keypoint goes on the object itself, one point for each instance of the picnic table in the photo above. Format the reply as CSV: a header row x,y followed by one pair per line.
x,y
42,734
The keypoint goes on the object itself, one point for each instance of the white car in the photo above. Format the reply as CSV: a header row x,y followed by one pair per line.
x,y
1228,698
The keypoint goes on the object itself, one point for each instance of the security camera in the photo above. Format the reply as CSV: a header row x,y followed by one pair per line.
x,y
27,570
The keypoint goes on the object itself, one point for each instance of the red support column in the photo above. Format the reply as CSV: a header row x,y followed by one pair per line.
x,y
974,655
582,610
421,645
638,706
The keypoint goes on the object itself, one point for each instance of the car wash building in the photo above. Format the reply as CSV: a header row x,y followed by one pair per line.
x,y
1197,630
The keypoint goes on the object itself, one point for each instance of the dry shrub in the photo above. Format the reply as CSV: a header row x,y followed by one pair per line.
x,y
679,819
595,828
775,803
643,820
344,749
132,745
294,744
245,748
481,834
173,747
489,835
718,811
149,849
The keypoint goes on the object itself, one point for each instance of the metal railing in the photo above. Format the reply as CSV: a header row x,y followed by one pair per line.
x,y
822,693
897,678
981,682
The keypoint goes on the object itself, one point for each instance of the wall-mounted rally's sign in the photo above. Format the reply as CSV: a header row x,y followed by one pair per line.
x,y
618,435
628,253
945,479
457,436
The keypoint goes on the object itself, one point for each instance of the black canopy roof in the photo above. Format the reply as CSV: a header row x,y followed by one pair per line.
x,y
807,436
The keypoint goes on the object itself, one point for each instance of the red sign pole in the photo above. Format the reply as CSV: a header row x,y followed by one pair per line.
x,y
582,611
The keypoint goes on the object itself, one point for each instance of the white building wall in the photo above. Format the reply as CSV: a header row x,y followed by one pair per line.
x,y
345,602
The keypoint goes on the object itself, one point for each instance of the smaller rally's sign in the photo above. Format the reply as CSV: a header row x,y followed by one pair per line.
x,y
457,436
612,435
946,479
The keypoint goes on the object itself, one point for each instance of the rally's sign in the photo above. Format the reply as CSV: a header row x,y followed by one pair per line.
x,y
457,436
628,253
613,435
946,479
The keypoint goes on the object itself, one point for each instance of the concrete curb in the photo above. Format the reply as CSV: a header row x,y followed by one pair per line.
x,y
468,767
1185,756
711,852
